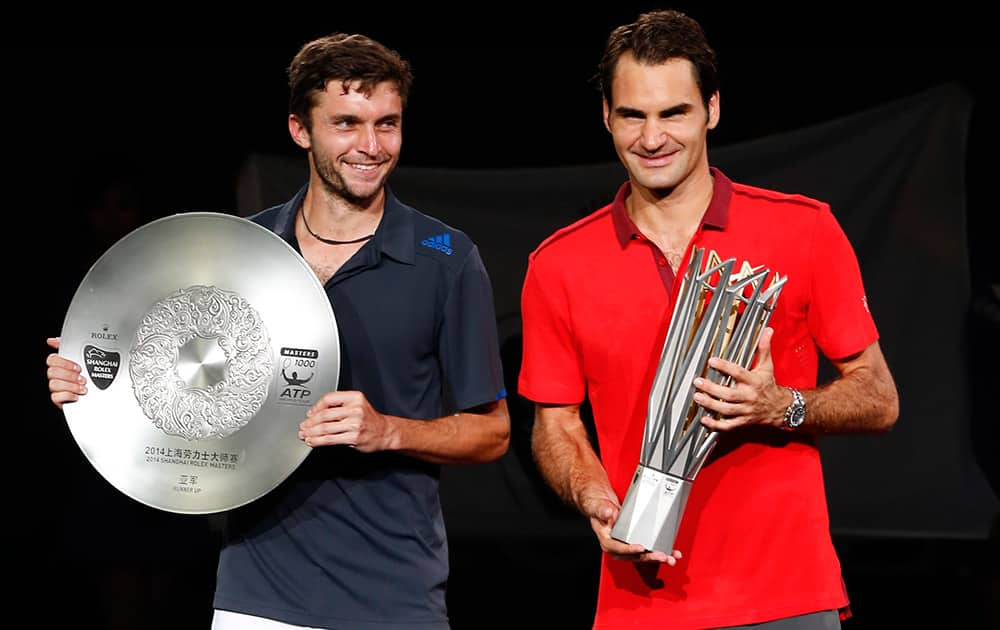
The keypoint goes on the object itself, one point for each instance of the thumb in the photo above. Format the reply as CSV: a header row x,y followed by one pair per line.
x,y
602,510
764,349
53,342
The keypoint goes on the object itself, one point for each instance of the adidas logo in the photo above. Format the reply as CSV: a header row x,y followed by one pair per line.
x,y
441,242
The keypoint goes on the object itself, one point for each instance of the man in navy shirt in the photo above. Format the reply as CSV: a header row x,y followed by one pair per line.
x,y
355,537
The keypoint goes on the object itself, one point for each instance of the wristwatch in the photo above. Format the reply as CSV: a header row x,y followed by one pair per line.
x,y
795,415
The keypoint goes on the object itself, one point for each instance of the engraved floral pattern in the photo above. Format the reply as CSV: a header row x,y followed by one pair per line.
x,y
199,413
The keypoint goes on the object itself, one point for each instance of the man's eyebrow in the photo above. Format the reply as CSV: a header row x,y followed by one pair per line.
x,y
682,108
344,118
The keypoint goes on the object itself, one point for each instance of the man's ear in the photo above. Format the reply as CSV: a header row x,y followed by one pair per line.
x,y
300,134
714,110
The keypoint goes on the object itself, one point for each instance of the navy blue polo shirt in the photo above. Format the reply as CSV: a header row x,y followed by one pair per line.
x,y
354,540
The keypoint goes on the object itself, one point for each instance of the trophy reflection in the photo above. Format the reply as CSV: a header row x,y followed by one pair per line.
x,y
718,313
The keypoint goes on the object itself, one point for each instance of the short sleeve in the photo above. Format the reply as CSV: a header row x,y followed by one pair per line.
x,y
839,318
467,343
551,365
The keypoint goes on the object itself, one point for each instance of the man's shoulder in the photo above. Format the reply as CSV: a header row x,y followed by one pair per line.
x,y
267,217
438,239
576,237
764,197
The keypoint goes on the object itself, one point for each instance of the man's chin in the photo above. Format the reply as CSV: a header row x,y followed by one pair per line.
x,y
363,195
654,177
659,186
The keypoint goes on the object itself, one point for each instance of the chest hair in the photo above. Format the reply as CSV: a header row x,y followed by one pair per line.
x,y
672,249
325,259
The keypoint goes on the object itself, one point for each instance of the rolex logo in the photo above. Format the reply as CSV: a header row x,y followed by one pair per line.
x,y
104,334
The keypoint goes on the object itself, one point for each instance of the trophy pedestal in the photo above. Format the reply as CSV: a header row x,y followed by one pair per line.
x,y
651,513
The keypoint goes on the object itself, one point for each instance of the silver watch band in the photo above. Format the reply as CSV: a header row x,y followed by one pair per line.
x,y
795,414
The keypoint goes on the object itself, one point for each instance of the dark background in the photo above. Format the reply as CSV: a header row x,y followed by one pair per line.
x,y
159,116
173,113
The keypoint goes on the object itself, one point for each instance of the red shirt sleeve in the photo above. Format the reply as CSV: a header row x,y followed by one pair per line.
x,y
838,316
551,369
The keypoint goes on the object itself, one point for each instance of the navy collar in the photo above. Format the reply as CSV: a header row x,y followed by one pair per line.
x,y
394,236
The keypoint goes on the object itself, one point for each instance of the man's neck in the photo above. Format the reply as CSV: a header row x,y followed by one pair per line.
x,y
670,219
334,217
343,229
674,211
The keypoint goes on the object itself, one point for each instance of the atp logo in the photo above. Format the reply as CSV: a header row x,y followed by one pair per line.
x,y
298,367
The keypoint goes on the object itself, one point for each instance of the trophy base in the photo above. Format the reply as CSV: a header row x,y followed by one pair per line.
x,y
652,511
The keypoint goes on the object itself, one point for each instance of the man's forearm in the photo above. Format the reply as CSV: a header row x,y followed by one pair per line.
x,y
565,457
862,400
470,437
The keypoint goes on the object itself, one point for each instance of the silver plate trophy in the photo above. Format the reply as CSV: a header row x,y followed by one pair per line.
x,y
204,339
718,313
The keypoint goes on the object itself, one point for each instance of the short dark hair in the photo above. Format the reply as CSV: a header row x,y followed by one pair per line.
x,y
355,59
655,38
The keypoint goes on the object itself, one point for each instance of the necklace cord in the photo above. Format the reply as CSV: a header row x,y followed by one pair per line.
x,y
331,241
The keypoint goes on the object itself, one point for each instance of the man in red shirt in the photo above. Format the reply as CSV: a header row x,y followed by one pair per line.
x,y
597,300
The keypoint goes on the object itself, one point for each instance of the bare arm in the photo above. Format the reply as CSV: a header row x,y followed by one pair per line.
x,y
570,466
862,399
347,418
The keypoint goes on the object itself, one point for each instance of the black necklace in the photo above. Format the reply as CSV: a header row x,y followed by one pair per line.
x,y
330,241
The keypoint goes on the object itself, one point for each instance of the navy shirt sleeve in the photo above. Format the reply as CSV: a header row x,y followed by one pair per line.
x,y
468,345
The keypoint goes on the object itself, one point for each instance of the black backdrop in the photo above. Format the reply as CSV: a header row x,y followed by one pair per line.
x,y
112,126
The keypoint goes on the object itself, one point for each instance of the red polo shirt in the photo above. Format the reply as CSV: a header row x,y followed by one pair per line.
x,y
596,305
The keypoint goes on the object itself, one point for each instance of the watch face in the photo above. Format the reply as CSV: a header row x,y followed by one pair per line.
x,y
798,415
795,415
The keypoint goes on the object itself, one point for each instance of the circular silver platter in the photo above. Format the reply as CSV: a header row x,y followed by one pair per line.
x,y
204,339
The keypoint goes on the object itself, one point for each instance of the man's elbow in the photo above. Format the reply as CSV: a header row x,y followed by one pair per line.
x,y
499,442
502,445
888,412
